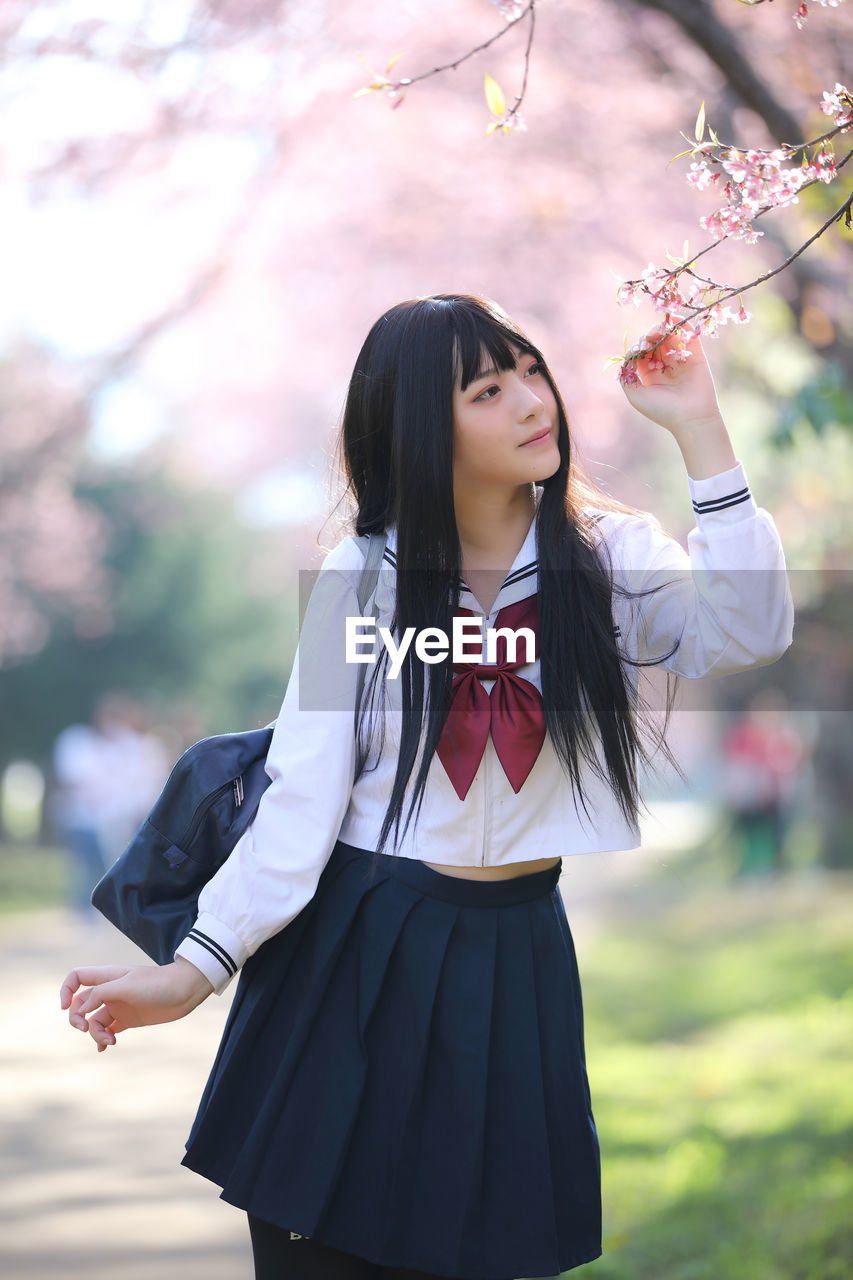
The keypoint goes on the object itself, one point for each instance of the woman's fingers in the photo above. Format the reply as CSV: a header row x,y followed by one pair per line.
x,y
106,1015
96,996
104,1026
75,1017
88,977
83,991
684,333
669,352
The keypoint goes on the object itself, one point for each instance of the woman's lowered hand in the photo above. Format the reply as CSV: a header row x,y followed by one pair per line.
x,y
107,999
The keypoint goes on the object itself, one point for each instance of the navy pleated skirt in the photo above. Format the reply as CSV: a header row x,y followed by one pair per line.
x,y
402,1075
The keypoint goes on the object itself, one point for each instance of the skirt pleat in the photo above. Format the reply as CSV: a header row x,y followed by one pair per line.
x,y
402,1076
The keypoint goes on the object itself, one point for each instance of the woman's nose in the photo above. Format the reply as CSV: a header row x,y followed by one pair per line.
x,y
528,401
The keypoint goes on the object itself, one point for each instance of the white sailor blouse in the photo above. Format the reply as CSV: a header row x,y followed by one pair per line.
x,y
726,602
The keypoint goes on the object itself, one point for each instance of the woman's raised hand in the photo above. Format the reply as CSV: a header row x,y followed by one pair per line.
x,y
677,391
667,387
120,996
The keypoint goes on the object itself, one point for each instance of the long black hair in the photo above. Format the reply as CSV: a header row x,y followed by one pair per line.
x,y
396,443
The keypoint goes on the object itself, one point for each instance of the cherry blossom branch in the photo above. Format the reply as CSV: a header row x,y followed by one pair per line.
x,y
837,167
715,310
511,21
506,118
845,211
756,184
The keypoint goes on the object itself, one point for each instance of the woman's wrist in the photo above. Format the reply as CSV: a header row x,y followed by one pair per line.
x,y
198,986
706,448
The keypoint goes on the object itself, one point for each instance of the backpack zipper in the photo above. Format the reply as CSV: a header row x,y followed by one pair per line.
x,y
206,805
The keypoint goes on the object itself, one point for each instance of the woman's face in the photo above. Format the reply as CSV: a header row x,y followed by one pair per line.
x,y
505,427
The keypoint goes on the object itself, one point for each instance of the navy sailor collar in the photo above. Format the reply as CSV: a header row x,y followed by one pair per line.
x,y
521,581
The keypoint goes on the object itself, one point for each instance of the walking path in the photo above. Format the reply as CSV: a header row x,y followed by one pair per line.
x,y
91,1184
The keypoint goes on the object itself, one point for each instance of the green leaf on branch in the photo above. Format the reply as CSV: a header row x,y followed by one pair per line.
x,y
495,99
688,152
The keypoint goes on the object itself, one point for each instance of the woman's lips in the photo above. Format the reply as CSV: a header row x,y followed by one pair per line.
x,y
543,435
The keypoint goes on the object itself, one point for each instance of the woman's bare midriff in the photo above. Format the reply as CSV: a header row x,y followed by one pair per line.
x,y
505,872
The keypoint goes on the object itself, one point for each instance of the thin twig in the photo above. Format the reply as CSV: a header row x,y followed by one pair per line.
x,y
712,284
845,209
791,147
514,108
452,66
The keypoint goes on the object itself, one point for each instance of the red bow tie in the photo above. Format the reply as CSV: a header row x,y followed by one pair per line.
x,y
512,710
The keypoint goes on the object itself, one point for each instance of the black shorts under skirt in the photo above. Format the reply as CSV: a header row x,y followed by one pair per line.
x,y
402,1075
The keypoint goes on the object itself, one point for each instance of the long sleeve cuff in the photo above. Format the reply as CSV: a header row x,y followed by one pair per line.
x,y
722,500
214,949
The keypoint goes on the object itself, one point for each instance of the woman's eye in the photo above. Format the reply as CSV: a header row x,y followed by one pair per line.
x,y
535,368
488,394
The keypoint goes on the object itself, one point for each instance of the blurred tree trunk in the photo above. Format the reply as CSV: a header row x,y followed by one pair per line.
x,y
816,284
700,23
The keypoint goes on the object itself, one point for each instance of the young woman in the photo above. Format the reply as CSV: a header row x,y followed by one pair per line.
x,y
401,1083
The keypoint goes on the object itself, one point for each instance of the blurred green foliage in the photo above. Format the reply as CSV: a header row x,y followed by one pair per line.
x,y
719,1032
778,389
32,877
824,403
199,633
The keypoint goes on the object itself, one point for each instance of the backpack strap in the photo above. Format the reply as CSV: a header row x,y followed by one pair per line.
x,y
373,545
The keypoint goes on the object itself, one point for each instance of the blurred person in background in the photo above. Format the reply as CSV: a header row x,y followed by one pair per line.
x,y
106,776
762,757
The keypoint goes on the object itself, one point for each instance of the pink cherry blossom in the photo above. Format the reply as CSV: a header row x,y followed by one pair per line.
x,y
838,104
707,324
630,291
700,176
678,350
731,222
759,180
825,165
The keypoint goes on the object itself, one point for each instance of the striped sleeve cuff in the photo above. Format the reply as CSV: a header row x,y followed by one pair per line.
x,y
722,500
214,949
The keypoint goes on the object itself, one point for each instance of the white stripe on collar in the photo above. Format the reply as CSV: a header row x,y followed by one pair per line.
x,y
521,581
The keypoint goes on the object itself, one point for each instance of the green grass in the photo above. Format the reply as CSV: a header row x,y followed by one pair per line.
x,y
719,1037
32,877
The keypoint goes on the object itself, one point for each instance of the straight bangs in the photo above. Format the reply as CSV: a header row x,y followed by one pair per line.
x,y
484,339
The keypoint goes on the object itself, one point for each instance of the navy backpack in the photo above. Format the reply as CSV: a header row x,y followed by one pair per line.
x,y
210,799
